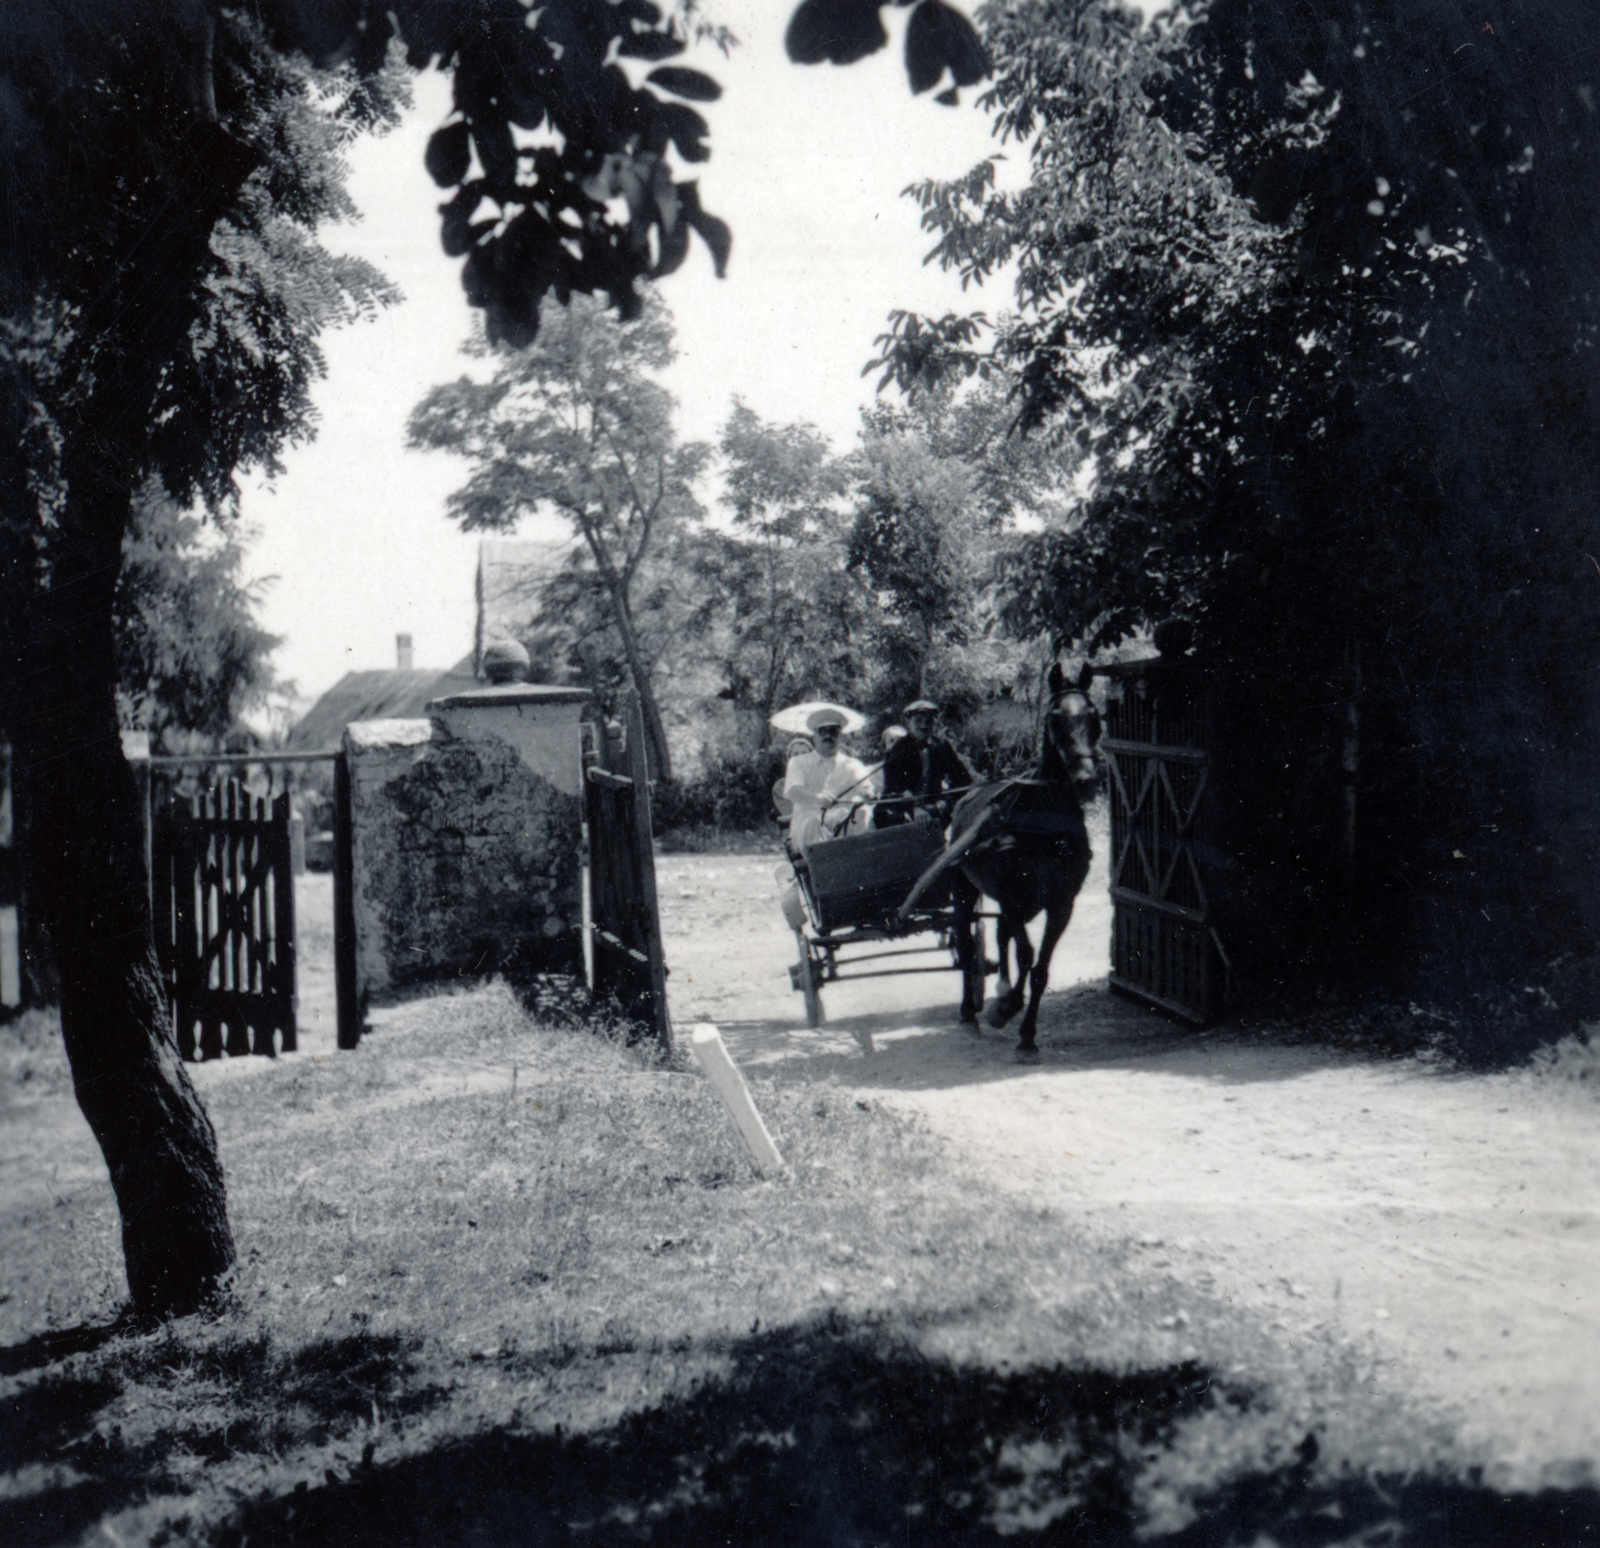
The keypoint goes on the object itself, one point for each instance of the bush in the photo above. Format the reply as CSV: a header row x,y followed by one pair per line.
x,y
735,792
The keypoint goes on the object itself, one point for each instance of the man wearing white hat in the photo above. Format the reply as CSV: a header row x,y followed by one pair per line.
x,y
825,785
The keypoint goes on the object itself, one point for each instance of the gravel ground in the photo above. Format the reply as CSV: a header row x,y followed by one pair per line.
x,y
1437,1229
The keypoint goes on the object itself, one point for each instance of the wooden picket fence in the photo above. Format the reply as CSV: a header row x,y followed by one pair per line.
x,y
224,916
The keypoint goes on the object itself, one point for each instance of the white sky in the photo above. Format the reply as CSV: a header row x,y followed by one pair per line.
x,y
806,166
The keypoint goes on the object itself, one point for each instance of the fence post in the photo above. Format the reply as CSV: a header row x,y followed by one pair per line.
x,y
705,1042
283,944
645,869
347,1001
136,750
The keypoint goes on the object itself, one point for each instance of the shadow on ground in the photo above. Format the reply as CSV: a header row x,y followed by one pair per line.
x,y
828,1435
69,1421
46,1348
1085,1027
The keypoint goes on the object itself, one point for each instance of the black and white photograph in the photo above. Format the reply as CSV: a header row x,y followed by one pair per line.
x,y
819,773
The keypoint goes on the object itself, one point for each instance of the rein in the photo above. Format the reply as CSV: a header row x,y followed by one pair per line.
x,y
1000,787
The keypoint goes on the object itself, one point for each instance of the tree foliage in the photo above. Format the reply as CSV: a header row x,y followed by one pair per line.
x,y
191,655
940,42
1316,287
777,606
573,425
565,170
916,543
945,487
868,577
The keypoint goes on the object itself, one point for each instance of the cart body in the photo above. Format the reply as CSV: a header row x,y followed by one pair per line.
x,y
851,890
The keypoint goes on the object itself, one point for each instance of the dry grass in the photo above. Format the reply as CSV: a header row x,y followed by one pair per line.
x,y
502,1283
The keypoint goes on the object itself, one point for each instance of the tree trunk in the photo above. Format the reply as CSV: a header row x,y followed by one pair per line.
x,y
616,585
84,858
654,726
40,984
86,864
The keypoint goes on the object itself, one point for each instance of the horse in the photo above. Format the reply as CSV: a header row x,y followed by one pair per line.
x,y
1023,843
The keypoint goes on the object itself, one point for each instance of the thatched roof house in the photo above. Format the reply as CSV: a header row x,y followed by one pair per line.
x,y
400,694
511,575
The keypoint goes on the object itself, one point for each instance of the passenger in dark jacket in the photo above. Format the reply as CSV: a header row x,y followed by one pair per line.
x,y
926,769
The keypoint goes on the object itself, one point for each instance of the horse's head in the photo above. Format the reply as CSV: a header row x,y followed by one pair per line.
x,y
1071,732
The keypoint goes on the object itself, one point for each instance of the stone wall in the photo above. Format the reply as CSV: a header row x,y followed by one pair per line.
x,y
467,832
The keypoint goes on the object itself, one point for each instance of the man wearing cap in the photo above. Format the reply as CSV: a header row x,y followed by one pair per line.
x,y
824,785
925,771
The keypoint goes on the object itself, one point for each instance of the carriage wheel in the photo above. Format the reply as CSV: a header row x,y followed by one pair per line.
x,y
808,983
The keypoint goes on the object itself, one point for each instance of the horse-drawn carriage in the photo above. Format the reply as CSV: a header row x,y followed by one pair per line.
x,y
851,891
1020,842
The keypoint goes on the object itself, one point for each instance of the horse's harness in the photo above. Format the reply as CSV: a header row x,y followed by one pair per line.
x,y
1048,823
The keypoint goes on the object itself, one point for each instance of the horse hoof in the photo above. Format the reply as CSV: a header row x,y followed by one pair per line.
x,y
970,1024
1027,1053
1000,1012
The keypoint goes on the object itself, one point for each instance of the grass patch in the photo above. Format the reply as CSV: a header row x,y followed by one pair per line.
x,y
32,1063
506,1284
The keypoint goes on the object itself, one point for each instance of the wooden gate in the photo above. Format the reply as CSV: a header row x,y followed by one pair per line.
x,y
1164,945
224,907
624,921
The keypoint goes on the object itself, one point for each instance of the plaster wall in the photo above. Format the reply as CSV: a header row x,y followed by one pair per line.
x,y
467,830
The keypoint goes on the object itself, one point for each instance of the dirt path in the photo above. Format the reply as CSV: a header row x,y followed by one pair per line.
x,y
1438,1231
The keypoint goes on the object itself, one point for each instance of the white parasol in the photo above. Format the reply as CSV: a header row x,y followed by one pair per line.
x,y
792,721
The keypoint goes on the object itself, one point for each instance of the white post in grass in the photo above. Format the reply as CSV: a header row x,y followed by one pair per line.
x,y
712,1056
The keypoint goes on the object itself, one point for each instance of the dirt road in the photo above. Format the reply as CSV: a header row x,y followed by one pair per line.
x,y
1437,1231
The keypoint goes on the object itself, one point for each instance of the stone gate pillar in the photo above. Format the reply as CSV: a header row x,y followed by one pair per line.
x,y
466,837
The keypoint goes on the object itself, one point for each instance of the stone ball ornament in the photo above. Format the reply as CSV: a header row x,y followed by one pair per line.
x,y
505,661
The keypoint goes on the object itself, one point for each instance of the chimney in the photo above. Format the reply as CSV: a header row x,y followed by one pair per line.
x,y
402,652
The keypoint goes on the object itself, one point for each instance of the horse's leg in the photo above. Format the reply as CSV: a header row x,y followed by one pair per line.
x,y
1055,922
998,1014
1002,951
1006,1005
969,949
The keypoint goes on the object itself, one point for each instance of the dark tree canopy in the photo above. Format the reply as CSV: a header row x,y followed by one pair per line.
x,y
153,82
548,131
940,41
1317,286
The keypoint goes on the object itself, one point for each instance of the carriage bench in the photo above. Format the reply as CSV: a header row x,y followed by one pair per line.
x,y
851,890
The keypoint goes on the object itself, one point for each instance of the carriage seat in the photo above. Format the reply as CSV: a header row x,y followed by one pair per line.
x,y
861,879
